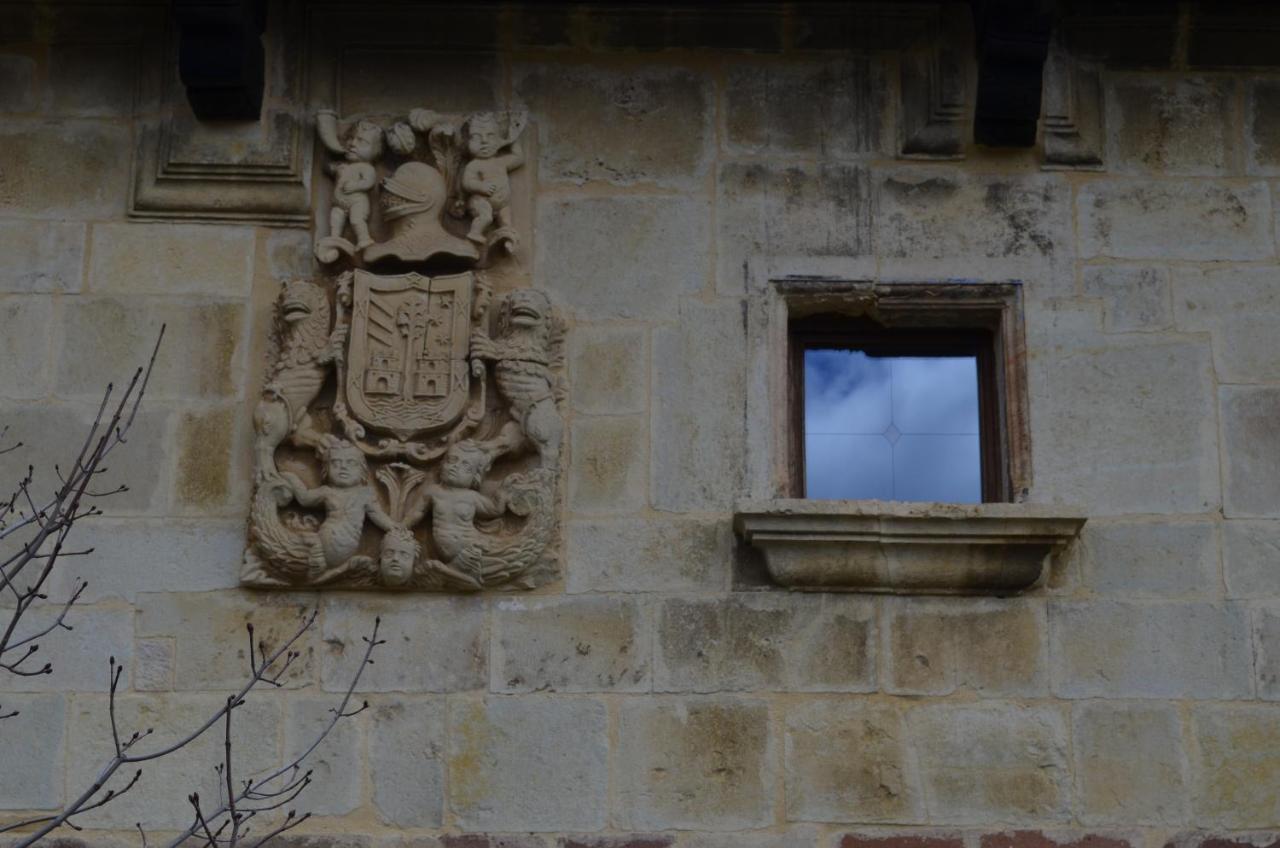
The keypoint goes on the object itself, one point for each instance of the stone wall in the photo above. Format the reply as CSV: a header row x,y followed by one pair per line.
x,y
1132,701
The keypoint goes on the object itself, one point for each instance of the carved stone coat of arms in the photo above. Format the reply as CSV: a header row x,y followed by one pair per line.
x,y
409,430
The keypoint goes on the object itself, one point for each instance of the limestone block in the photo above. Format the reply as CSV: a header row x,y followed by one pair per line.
x,y
336,777
437,645
1112,649
1251,450
1251,558
132,556
790,642
41,256
1148,559
697,430
1262,126
649,125
622,257
24,346
571,644
694,764
1123,426
607,462
795,836
17,82
1237,765
288,254
211,643
1130,764
35,739
378,81
205,457
79,658
406,739
135,258
1198,220
92,80
107,338
64,170
803,210
153,664
915,838
648,555
991,647
991,762
942,223
528,764
1172,126
609,369
848,761
1135,298
51,435
1266,638
1239,306
832,109
159,800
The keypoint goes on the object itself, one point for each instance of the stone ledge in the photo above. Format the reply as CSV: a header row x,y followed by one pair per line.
x,y
905,548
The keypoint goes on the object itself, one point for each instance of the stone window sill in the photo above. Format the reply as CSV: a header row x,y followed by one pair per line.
x,y
906,548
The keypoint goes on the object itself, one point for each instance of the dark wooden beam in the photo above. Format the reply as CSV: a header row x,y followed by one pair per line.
x,y
220,56
1012,39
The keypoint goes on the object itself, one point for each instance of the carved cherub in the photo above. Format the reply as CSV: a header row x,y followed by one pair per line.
x,y
354,177
486,176
398,554
348,499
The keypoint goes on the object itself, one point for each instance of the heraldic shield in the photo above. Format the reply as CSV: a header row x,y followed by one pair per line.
x,y
406,366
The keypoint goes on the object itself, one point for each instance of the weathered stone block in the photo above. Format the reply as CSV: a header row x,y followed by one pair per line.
x,y
622,257
609,369
942,223
1239,307
1262,126
795,836
910,839
67,169
133,556
153,664
159,800
991,762
336,777
1130,764
1112,649
696,455
437,645
17,82
1266,639
378,81
792,642
1172,126
288,254
607,470
528,764
1251,450
92,80
32,746
992,647
1251,558
831,109
798,210
848,761
696,764
211,643
24,347
205,457
1151,559
1124,426
1134,298
1237,765
648,555
80,658
572,644
406,740
1196,220
171,259
107,338
42,256
649,125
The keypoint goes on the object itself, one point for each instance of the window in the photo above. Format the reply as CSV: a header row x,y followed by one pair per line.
x,y
915,404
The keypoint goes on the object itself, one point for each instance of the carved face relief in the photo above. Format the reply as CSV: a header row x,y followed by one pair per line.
x,y
395,564
483,137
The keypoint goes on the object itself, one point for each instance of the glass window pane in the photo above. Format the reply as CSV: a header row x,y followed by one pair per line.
x,y
848,467
937,394
937,468
845,391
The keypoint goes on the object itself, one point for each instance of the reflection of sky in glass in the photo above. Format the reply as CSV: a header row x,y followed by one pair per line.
x,y
892,427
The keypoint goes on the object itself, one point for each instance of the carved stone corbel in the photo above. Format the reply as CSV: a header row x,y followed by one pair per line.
x,y
934,112
1072,112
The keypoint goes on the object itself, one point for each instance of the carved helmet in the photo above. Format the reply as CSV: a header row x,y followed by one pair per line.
x,y
413,199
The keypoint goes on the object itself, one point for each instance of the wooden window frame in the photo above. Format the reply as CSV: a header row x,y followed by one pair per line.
x,y
919,319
